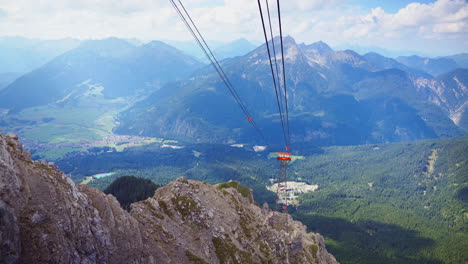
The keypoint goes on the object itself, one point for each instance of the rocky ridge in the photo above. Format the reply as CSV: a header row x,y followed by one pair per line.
x,y
46,218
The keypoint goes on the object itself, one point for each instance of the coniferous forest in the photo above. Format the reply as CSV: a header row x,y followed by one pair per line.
x,y
130,189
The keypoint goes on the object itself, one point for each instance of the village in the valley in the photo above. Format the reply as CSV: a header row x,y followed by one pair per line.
x,y
292,189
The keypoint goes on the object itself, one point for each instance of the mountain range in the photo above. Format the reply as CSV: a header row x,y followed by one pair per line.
x,y
434,66
111,67
335,98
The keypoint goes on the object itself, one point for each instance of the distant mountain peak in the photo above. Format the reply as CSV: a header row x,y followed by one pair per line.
x,y
287,40
156,44
372,53
291,49
241,41
108,41
234,48
320,47
316,48
108,47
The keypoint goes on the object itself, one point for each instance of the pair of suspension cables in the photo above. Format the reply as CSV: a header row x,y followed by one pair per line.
x,y
281,94
278,75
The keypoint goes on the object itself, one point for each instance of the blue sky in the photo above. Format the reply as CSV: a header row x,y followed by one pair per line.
x,y
437,27
388,5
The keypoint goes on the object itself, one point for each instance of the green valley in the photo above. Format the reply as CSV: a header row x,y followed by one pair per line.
x,y
380,203
54,130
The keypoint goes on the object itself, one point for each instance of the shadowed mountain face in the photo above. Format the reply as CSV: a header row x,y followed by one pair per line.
x,y
335,98
115,66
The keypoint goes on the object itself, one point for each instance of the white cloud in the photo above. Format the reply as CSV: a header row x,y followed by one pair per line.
x,y
430,16
456,27
334,21
151,18
417,26
308,5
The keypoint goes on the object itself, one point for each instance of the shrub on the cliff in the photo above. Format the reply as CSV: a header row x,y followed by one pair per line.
x,y
130,189
236,185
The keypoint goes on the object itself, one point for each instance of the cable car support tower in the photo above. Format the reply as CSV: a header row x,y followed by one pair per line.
x,y
282,192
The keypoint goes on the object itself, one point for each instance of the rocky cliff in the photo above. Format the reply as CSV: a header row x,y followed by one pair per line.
x,y
46,218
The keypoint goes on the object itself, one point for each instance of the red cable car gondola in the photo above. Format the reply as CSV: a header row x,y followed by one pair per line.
x,y
284,156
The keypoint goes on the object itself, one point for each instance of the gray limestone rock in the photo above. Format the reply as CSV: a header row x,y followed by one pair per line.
x,y
10,246
12,136
185,221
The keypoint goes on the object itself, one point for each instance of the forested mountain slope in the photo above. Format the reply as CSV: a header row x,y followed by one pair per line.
x,y
405,202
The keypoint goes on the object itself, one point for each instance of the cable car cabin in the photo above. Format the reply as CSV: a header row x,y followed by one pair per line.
x,y
284,156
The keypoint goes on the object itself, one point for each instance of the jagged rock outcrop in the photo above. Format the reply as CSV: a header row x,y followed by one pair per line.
x,y
46,218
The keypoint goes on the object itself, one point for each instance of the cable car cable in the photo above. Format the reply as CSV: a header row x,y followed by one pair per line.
x,y
274,51
272,73
284,72
206,49
214,62
213,56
